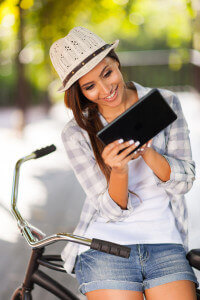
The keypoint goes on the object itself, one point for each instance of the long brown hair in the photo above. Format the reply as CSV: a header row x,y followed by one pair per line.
x,y
87,117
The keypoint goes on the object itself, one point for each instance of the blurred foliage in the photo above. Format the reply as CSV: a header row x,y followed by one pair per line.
x,y
138,24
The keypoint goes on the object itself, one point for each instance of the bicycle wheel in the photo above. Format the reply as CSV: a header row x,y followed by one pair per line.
x,y
20,295
17,295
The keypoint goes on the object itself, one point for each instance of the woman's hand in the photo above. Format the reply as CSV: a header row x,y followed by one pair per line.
x,y
119,161
142,150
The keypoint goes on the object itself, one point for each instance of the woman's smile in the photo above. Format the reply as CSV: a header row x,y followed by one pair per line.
x,y
113,96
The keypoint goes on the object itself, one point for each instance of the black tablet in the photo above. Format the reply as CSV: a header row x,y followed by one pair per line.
x,y
141,122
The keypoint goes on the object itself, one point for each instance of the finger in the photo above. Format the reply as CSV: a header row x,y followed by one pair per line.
x,y
130,157
135,154
143,149
114,157
127,151
111,146
123,162
117,148
149,144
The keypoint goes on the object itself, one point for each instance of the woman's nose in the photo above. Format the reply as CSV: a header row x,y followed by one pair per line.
x,y
105,89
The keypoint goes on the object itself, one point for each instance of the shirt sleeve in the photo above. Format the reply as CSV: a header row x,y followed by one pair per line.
x,y
178,154
92,180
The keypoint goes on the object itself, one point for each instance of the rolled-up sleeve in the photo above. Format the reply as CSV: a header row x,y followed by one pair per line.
x,y
178,154
92,179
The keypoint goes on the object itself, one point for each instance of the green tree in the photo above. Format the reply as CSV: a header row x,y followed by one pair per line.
x,y
29,27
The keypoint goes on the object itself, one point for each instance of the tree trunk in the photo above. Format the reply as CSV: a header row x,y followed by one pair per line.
x,y
22,93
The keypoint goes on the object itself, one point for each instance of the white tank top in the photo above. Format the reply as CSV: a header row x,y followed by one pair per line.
x,y
151,221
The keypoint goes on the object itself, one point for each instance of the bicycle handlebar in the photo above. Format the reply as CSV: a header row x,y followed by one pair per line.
x,y
44,151
36,238
110,248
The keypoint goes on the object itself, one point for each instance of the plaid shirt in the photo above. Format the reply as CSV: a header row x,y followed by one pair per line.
x,y
173,143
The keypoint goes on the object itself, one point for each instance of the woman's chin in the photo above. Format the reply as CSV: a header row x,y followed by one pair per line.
x,y
116,102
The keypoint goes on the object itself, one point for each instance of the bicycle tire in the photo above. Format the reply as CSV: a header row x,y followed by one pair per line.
x,y
17,295
20,295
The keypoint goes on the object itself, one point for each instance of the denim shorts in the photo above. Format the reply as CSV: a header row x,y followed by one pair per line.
x,y
149,265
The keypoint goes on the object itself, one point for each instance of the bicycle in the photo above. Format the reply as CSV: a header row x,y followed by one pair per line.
x,y
37,240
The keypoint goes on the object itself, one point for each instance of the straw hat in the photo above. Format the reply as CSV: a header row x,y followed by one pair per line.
x,y
77,53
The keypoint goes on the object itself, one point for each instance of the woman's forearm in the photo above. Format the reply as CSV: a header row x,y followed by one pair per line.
x,y
157,163
118,184
118,188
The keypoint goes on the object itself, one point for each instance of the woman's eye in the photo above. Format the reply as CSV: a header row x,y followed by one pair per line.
x,y
89,87
108,73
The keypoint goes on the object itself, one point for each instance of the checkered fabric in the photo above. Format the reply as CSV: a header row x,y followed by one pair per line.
x,y
173,143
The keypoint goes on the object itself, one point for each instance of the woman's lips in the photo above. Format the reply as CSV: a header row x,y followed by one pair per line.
x,y
114,96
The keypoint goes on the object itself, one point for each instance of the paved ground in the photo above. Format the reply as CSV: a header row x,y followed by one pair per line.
x,y
49,195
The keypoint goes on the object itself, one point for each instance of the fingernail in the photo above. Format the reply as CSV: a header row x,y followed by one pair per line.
x,y
120,141
149,145
131,142
141,149
137,143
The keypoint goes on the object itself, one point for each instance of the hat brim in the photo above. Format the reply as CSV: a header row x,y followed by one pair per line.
x,y
88,67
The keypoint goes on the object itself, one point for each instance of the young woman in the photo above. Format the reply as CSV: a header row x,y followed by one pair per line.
x,y
135,200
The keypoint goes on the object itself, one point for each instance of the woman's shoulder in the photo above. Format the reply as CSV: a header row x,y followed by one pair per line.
x,y
73,131
70,128
170,96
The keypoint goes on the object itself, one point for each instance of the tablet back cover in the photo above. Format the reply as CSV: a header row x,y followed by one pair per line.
x,y
141,122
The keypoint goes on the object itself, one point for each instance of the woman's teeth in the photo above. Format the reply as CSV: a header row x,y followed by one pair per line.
x,y
111,95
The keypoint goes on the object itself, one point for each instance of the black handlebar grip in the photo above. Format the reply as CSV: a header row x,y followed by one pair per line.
x,y
44,151
110,248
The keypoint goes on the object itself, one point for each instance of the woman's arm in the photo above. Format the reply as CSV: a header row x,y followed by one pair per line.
x,y
174,169
118,188
92,180
118,183
157,163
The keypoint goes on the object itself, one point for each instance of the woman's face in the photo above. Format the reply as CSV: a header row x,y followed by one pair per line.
x,y
104,84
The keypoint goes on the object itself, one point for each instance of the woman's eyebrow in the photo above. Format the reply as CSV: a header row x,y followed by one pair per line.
x,y
99,76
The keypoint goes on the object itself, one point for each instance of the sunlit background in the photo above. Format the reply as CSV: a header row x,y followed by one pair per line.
x,y
159,47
